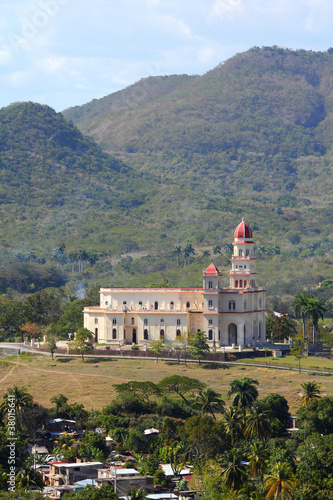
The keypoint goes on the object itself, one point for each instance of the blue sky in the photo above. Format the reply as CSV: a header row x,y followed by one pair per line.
x,y
68,52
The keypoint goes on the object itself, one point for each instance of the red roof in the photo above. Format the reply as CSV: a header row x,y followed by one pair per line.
x,y
212,271
243,231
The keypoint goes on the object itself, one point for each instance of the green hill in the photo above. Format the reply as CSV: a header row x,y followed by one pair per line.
x,y
190,155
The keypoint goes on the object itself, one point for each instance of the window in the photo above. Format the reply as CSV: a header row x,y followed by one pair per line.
x,y
156,305
245,283
210,303
219,335
247,252
210,334
178,332
145,334
245,305
244,267
210,284
106,303
114,334
232,305
236,266
240,253
260,303
162,320
188,305
236,284
161,334
124,302
178,322
240,283
172,306
114,321
259,335
210,321
132,321
145,321
140,304
96,321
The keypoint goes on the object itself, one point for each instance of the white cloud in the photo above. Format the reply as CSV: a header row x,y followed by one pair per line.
x,y
226,9
175,24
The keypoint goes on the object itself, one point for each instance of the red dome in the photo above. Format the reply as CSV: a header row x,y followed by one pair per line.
x,y
243,231
211,271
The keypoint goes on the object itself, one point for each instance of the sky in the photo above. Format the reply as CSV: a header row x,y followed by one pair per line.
x,y
67,52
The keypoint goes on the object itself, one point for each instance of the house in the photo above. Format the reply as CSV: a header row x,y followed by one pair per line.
x,y
124,480
59,425
229,315
64,473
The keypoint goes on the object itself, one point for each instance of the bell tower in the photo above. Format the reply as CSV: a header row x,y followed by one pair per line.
x,y
243,271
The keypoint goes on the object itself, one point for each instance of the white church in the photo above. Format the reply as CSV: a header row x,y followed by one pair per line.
x,y
228,315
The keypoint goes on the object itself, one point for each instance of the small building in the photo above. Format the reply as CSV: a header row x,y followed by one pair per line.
x,y
64,473
124,480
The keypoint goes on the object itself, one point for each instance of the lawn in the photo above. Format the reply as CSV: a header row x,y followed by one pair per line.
x,y
91,382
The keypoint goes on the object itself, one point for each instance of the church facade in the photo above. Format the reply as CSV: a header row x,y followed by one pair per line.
x,y
228,315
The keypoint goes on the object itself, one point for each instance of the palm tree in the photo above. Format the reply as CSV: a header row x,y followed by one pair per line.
x,y
257,459
300,307
281,483
61,403
177,249
257,423
19,398
217,249
311,391
136,494
65,441
28,477
205,253
315,309
188,251
209,401
244,391
232,422
234,475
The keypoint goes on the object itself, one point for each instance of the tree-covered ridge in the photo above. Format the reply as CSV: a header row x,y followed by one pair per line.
x,y
257,114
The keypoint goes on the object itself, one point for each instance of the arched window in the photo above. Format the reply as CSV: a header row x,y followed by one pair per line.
x,y
178,322
114,334
210,321
236,284
240,253
140,304
245,283
132,321
259,303
178,332
161,334
240,283
171,306
156,305
247,253
124,302
210,284
188,305
210,303
210,334
232,305
145,334
114,321
145,321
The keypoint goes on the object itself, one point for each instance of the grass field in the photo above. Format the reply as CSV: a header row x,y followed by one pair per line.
x,y
91,382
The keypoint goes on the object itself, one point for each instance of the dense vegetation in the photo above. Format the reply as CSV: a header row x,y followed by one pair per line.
x,y
239,449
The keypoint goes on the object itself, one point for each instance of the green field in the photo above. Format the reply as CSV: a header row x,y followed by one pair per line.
x,y
91,382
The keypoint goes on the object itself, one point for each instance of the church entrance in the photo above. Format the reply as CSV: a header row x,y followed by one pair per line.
x,y
134,336
232,333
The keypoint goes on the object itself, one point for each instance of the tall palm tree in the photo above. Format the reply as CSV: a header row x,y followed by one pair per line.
x,y
177,249
244,391
233,473
311,391
315,309
209,401
300,307
257,459
188,251
27,477
18,397
281,483
232,420
257,423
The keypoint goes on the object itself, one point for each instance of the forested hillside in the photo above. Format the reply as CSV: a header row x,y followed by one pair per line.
x,y
251,138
